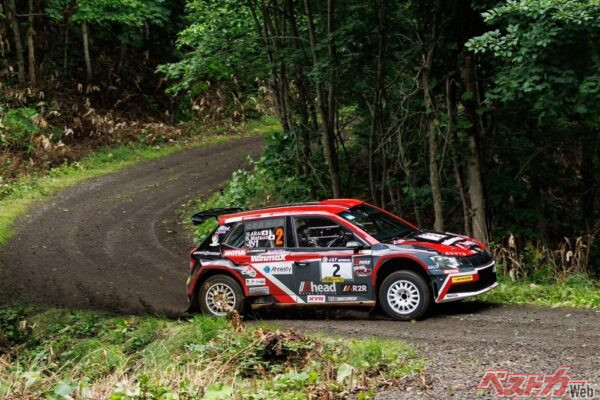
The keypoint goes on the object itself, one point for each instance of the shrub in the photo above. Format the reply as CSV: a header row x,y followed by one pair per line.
x,y
18,127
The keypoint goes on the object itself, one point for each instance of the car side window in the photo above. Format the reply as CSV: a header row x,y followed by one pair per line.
x,y
235,238
265,233
321,232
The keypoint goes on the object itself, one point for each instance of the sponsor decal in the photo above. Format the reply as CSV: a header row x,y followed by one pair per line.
x,y
315,299
284,268
355,289
206,253
232,253
258,291
248,271
456,253
307,287
362,261
540,386
333,279
462,279
222,229
214,240
467,244
268,258
436,237
255,282
453,240
266,250
276,237
253,238
336,267
342,298
362,271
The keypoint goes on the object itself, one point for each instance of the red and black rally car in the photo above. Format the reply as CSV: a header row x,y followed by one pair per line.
x,y
339,251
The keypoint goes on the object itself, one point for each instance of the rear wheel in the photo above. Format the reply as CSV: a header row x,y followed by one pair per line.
x,y
405,295
219,295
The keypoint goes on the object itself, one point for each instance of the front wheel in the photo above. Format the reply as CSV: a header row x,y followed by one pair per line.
x,y
405,295
219,295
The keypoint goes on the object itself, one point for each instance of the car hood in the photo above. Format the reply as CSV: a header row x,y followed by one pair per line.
x,y
449,244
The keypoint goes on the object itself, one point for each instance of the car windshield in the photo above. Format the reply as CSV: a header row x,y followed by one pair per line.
x,y
380,225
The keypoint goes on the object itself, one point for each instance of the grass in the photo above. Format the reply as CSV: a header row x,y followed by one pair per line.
x,y
576,291
62,354
16,197
551,295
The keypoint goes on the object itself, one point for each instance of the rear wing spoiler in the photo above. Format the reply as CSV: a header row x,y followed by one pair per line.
x,y
202,216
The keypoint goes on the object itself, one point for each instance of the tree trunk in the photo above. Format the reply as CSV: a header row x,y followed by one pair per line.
x,y
4,65
451,111
377,122
328,134
431,115
31,45
473,169
331,105
303,95
86,51
12,16
122,55
434,178
476,193
434,170
589,149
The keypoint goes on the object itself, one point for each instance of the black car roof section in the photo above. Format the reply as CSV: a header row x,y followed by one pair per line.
x,y
202,216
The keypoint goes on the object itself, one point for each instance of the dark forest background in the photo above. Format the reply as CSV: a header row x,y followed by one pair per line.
x,y
473,116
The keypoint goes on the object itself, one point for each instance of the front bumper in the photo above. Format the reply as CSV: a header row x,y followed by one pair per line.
x,y
462,295
467,284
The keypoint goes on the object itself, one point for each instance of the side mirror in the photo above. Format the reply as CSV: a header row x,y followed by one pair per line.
x,y
353,244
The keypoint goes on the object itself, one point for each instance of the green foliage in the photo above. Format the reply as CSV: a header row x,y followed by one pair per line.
x,y
18,128
537,46
224,43
108,13
85,355
13,326
269,182
576,291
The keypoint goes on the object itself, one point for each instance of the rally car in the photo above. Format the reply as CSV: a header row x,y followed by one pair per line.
x,y
341,252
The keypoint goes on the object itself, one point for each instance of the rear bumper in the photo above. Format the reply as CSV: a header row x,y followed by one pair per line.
x,y
462,285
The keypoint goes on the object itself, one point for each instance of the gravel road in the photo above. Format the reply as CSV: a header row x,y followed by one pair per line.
x,y
462,340
114,243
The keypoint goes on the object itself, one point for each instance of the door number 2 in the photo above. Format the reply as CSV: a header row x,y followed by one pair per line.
x,y
337,267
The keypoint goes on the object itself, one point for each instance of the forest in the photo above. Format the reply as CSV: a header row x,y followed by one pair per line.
x,y
479,117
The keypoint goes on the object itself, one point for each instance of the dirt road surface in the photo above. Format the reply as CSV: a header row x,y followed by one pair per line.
x,y
462,340
114,243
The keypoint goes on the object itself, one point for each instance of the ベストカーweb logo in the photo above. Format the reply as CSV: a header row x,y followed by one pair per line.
x,y
540,386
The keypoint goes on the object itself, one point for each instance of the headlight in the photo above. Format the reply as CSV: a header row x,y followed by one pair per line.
x,y
447,262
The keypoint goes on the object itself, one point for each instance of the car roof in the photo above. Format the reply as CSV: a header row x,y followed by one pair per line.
x,y
329,206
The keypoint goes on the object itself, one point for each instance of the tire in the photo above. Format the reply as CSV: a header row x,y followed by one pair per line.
x,y
215,290
405,295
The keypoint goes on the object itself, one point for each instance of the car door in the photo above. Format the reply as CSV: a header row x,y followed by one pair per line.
x,y
325,270
266,245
